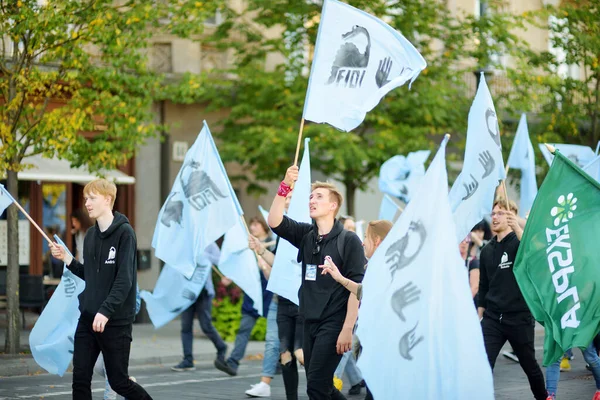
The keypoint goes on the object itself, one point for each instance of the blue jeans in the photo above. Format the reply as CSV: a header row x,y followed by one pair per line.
x,y
271,343
241,340
202,308
553,370
348,365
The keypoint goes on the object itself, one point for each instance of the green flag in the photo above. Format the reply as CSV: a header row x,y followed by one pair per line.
x,y
557,266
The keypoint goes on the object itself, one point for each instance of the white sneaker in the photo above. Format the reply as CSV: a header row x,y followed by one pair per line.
x,y
510,355
260,390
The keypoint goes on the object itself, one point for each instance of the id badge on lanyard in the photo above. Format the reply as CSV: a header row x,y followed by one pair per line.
x,y
311,272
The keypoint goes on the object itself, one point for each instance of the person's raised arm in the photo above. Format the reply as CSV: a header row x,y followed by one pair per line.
x,y
261,250
278,206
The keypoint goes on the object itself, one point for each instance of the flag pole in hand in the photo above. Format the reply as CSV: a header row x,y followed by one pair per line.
x,y
248,231
32,221
299,142
218,272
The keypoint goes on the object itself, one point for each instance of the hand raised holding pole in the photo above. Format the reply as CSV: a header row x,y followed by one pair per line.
x,y
291,175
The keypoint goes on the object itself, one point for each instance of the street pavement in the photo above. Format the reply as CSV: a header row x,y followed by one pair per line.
x,y
154,352
208,383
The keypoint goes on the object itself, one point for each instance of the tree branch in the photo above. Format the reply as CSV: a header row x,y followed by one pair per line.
x,y
3,68
24,148
90,5
80,36
59,76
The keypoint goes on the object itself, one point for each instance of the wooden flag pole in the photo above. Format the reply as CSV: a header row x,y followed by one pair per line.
x,y
505,194
248,231
504,187
218,272
271,243
299,142
33,222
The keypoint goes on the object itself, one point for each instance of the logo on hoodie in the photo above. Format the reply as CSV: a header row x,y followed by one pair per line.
x,y
504,263
112,253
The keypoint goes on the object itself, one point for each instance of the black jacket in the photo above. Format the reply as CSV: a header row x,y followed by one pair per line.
x,y
499,292
109,272
323,297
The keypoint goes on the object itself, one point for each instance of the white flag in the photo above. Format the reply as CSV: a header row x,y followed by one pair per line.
x,y
286,275
472,195
173,293
201,207
593,168
239,264
522,157
388,209
358,60
580,155
52,339
417,319
5,199
400,176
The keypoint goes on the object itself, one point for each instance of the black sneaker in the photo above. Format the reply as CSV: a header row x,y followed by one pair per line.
x,y
221,353
221,357
222,365
184,366
356,389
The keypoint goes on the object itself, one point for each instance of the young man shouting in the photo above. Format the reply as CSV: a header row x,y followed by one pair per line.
x,y
328,309
505,315
107,303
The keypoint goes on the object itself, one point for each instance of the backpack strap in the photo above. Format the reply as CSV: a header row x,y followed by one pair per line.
x,y
341,243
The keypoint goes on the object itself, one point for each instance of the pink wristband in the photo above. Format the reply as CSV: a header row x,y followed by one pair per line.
x,y
284,189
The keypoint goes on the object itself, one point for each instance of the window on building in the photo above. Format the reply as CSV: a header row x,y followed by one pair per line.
x,y
212,58
54,222
161,57
216,19
24,227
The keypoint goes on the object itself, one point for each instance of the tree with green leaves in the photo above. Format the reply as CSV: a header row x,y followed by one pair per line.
x,y
90,58
562,84
266,105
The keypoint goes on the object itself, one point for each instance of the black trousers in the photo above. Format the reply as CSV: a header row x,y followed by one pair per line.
x,y
290,325
521,338
115,344
321,357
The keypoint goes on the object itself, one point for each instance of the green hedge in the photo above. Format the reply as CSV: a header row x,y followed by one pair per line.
x,y
227,312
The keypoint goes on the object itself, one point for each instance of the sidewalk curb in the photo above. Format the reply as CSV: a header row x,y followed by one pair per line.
x,y
26,365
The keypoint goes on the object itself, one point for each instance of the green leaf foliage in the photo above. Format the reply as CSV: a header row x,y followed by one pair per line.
x,y
68,67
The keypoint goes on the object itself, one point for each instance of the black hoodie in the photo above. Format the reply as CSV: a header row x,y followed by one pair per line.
x,y
499,292
109,272
321,297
